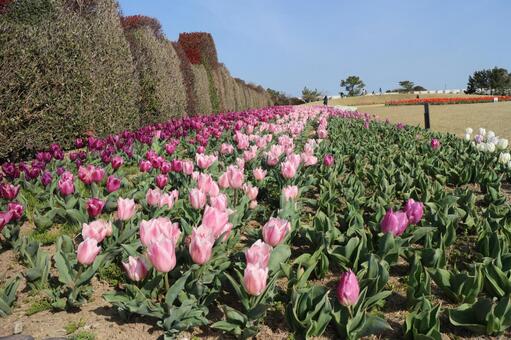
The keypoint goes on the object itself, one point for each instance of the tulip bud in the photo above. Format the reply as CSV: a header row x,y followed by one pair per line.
x,y
254,279
66,187
259,174
161,181
162,255
287,170
153,197
95,207
504,158
235,177
5,217
197,198
348,289
117,162
290,192
201,245
250,191
274,231
394,222
87,251
435,144
136,268
9,191
97,230
125,208
258,254
16,209
328,160
414,211
46,178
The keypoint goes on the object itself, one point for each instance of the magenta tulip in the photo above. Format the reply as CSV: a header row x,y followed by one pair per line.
x,y
117,162
435,144
66,187
161,181
145,166
275,230
113,184
9,191
348,289
254,279
136,268
95,207
87,251
16,209
328,160
98,174
201,245
5,218
162,255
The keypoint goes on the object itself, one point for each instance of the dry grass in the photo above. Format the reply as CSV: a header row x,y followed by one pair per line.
x,y
371,100
450,118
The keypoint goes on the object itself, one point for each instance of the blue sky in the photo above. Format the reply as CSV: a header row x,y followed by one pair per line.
x,y
287,45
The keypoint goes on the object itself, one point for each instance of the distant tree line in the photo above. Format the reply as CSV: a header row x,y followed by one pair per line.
x,y
490,81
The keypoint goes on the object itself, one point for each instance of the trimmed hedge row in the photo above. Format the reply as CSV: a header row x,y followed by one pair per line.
x,y
70,68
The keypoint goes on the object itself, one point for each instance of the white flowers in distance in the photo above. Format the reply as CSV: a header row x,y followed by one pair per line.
x,y
502,143
486,141
504,158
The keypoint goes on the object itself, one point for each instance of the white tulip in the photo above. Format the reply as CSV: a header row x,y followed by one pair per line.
x,y
504,158
490,147
502,143
467,136
490,134
509,165
469,131
482,131
481,147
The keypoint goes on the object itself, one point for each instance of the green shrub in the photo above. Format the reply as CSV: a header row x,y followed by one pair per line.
x,y
188,79
201,85
162,91
65,69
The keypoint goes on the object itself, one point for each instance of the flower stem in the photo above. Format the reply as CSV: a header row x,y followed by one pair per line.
x,y
166,282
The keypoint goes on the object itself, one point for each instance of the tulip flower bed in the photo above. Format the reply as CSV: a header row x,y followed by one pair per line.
x,y
447,100
334,224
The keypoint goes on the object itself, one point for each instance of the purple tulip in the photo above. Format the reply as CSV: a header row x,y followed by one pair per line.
x,y
394,222
348,289
145,166
161,181
414,211
16,209
435,144
9,191
46,178
5,217
328,160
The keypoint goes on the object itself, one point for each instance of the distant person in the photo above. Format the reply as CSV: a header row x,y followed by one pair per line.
x,y
417,96
380,92
325,101
342,94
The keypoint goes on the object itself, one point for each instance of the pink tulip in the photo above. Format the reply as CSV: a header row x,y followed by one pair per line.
x,y
394,222
162,255
187,167
9,191
223,181
235,177
201,245
249,155
97,230
259,174
215,220
290,192
161,181
167,200
240,163
117,162
250,191
153,196
16,209
414,211
294,159
66,187
205,161
165,167
435,144
95,207
125,208
87,251
287,170
226,149
253,204
197,198
309,160
258,254
219,202
207,184
85,174
136,268
113,184
328,160
348,289
254,279
274,231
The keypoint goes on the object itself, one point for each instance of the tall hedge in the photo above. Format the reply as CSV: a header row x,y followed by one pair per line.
x,y
201,85
199,48
65,69
162,91
188,79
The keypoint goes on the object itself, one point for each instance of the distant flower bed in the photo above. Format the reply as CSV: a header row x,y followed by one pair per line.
x,y
448,100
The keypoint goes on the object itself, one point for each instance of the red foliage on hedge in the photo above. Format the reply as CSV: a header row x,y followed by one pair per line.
x,y
4,4
188,79
199,48
138,21
448,100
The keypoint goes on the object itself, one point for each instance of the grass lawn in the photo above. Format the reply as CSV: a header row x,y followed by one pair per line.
x,y
450,118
